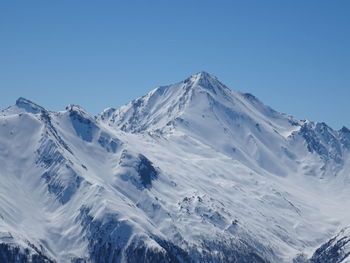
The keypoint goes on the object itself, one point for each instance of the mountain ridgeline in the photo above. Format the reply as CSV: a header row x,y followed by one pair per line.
x,y
190,172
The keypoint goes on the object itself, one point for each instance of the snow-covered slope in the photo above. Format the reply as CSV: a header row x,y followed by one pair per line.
x,y
234,123
191,172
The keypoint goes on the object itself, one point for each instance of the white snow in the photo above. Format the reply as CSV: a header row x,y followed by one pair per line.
x,y
229,167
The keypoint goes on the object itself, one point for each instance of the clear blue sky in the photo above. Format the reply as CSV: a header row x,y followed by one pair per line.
x,y
294,55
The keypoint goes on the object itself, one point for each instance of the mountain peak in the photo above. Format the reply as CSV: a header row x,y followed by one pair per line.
x,y
29,106
345,130
203,75
75,107
201,78
191,104
205,81
76,110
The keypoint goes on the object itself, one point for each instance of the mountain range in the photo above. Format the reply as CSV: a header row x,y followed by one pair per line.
x,y
190,172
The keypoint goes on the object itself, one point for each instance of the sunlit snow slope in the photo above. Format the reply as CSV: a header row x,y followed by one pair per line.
x,y
191,172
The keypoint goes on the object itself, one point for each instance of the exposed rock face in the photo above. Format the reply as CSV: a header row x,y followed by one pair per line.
x,y
336,250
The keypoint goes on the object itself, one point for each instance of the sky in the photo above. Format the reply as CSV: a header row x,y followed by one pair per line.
x,y
293,55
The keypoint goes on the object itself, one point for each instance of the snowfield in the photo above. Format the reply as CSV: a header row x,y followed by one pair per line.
x,y
191,172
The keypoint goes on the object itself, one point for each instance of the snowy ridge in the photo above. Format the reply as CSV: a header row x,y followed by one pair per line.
x,y
234,123
191,172
336,250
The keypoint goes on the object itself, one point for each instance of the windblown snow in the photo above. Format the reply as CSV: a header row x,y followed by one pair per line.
x,y
190,172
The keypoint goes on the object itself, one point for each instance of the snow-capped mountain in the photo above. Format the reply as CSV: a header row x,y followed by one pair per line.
x,y
234,123
191,172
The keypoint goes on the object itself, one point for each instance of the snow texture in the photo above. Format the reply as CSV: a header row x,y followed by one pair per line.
x,y
190,172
